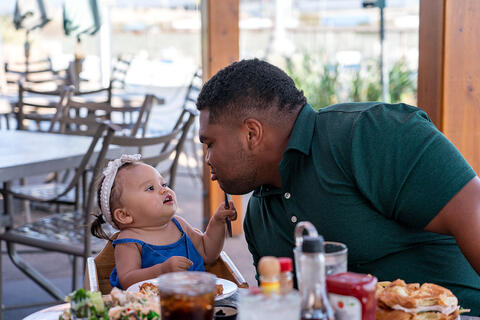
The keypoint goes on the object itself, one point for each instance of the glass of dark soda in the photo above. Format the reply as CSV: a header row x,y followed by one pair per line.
x,y
187,295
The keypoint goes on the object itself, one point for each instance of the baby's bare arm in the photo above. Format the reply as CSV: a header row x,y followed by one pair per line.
x,y
129,265
210,243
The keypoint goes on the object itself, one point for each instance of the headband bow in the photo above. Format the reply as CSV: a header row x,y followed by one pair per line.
x,y
110,173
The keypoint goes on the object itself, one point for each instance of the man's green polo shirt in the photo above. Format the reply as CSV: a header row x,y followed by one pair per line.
x,y
372,176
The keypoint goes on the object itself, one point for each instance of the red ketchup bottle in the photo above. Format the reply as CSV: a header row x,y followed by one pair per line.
x,y
352,295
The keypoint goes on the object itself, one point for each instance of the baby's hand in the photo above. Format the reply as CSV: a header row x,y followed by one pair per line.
x,y
222,214
176,263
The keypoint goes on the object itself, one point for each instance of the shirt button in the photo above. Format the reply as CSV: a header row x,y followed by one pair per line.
x,y
287,195
294,219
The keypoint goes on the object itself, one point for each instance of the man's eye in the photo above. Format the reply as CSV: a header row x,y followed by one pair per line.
x,y
150,188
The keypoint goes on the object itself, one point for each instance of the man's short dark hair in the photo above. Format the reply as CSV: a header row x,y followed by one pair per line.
x,y
246,86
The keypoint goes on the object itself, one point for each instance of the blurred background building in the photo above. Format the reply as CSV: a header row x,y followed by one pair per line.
x,y
328,46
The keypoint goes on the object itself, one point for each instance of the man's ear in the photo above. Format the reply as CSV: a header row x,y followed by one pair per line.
x,y
122,216
254,130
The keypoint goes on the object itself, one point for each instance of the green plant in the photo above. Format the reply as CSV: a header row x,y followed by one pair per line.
x,y
322,87
365,88
319,82
400,81
356,87
328,87
374,91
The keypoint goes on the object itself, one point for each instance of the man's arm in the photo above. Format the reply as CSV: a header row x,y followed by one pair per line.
x,y
461,218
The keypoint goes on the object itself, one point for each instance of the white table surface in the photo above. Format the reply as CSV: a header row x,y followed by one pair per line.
x,y
24,153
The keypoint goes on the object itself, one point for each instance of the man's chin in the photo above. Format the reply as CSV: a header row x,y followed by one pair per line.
x,y
234,189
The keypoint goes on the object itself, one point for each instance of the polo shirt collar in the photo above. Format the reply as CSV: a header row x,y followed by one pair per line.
x,y
300,139
302,133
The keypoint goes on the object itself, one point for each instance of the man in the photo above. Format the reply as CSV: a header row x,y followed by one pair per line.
x,y
377,177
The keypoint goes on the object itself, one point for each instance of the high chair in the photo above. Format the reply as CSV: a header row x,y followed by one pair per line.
x,y
98,269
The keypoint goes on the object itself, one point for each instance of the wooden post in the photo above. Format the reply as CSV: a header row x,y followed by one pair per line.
x,y
219,49
430,65
449,71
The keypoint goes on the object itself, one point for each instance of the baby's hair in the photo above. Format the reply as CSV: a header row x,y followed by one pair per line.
x,y
96,227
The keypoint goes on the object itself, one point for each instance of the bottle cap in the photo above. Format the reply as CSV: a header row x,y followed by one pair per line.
x,y
285,264
312,244
268,268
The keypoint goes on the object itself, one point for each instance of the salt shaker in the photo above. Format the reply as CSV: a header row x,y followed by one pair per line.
x,y
315,304
298,235
269,271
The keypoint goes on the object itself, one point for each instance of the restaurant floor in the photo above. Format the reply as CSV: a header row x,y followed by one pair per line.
x,y
18,289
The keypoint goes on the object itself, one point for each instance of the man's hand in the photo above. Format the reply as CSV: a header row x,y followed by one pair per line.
x,y
176,263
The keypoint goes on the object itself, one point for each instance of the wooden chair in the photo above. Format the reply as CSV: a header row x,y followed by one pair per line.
x,y
62,232
99,268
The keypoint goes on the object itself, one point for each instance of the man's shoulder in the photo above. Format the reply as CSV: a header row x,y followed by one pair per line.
x,y
351,107
370,106
376,116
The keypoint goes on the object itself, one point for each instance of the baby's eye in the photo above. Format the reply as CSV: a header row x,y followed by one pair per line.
x,y
164,185
150,188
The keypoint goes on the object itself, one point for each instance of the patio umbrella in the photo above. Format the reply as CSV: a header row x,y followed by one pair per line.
x,y
30,15
80,18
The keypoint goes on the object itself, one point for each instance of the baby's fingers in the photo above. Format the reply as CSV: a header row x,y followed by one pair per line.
x,y
183,263
231,205
231,215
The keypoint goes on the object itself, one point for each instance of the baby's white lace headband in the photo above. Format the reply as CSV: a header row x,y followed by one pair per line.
x,y
110,173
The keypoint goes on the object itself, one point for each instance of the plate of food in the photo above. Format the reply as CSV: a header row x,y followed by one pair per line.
x,y
225,288
399,300
91,305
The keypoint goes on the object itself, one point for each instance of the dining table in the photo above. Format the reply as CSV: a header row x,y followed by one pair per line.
x,y
28,153
52,313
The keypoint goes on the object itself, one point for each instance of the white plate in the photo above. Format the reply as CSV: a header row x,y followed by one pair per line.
x,y
229,287
51,313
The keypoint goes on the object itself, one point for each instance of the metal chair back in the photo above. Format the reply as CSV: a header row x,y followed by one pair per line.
x,y
38,106
119,71
65,232
82,117
161,151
